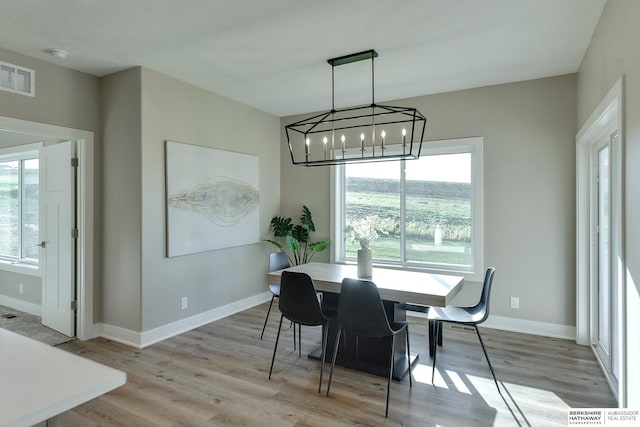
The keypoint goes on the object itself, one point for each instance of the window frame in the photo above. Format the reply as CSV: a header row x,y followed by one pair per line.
x,y
20,153
472,145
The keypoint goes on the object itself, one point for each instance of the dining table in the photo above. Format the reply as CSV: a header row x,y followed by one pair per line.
x,y
399,289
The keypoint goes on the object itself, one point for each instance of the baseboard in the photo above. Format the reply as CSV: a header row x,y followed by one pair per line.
x,y
147,338
531,327
524,326
18,304
118,334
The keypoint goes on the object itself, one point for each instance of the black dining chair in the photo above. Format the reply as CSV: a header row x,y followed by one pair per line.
x,y
277,261
361,313
300,304
470,316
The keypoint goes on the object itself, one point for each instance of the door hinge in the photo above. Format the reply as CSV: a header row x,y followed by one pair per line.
x,y
74,162
74,233
74,305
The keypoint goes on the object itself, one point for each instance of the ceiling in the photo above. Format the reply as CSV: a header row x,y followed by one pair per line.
x,y
272,55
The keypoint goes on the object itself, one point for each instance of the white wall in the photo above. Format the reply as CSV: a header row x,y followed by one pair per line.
x,y
529,132
613,52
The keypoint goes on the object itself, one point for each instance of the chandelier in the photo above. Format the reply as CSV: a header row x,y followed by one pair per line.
x,y
367,133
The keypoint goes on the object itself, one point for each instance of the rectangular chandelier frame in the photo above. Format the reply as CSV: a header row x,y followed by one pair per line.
x,y
367,133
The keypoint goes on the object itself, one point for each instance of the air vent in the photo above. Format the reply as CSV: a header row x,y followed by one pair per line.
x,y
16,79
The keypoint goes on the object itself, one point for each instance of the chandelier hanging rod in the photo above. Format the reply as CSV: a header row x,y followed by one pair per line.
x,y
348,59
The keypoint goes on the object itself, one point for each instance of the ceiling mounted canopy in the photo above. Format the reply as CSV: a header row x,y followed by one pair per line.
x,y
367,133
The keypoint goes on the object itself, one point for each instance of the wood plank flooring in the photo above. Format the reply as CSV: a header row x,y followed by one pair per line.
x,y
216,375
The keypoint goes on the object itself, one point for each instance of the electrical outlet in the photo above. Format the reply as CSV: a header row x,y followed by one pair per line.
x,y
184,303
515,303
21,288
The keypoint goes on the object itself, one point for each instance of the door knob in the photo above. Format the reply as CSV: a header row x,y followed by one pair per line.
x,y
42,244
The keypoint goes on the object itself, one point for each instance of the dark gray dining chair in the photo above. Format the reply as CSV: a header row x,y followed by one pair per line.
x,y
277,261
361,313
470,316
299,303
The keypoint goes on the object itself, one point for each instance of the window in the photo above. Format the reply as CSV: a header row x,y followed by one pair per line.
x,y
427,212
19,205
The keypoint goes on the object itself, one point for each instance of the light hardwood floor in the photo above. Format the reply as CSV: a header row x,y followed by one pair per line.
x,y
216,375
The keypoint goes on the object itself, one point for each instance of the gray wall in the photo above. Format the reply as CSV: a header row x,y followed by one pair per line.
x,y
63,98
180,112
10,287
529,162
614,52
142,287
121,217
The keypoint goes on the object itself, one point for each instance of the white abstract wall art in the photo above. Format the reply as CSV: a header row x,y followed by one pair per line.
x,y
212,199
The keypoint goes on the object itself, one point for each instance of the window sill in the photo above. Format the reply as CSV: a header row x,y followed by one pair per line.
x,y
20,268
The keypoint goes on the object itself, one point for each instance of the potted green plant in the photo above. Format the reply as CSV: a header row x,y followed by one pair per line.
x,y
294,239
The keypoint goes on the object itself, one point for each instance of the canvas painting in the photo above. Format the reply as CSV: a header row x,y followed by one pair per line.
x,y
212,199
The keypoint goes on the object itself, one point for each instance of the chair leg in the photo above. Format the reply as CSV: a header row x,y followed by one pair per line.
x,y
294,336
487,357
267,318
409,357
275,347
299,339
435,335
435,352
325,336
393,347
333,360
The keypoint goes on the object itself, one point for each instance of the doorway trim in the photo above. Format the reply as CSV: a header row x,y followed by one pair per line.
x,y
607,118
84,265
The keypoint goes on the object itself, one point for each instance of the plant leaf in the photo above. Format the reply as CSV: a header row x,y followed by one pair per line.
x,y
281,226
300,233
293,244
306,219
319,246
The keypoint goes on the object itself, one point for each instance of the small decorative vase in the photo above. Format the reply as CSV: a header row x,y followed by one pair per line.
x,y
364,263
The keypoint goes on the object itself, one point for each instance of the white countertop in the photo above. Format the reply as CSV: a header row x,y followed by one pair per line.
x,y
38,381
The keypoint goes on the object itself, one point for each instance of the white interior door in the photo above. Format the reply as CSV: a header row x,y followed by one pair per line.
x,y
606,286
603,232
57,247
601,297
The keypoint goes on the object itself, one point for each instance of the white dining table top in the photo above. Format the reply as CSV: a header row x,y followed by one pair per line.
x,y
393,285
38,381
